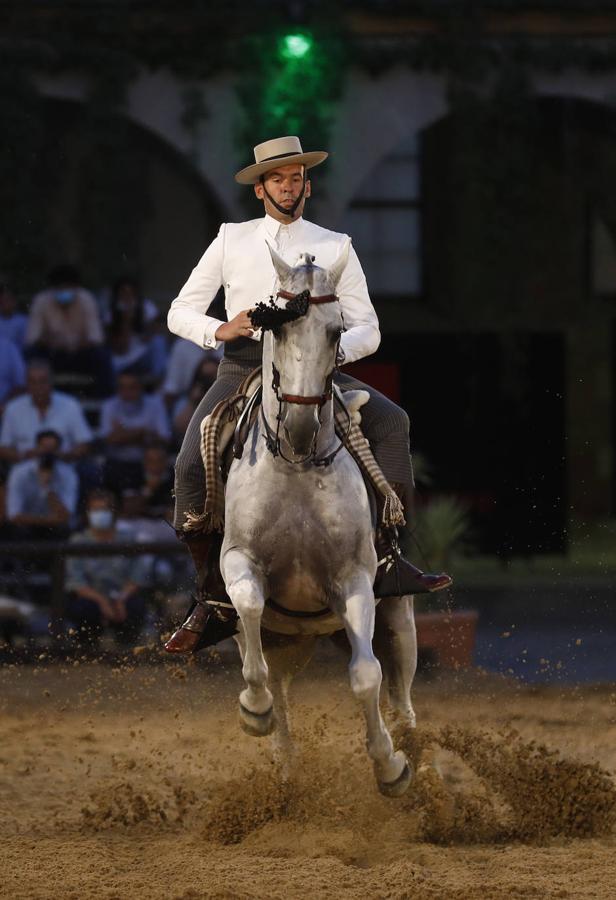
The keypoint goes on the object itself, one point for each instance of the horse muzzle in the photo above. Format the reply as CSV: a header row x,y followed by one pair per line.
x,y
301,425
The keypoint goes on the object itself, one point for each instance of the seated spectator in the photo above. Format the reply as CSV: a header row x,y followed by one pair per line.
x,y
203,379
12,371
12,323
64,326
129,421
134,345
184,360
42,408
104,589
41,493
151,498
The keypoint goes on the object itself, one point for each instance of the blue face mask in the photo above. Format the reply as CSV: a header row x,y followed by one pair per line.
x,y
100,519
65,296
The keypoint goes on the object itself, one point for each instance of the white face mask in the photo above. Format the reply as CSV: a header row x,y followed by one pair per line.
x,y
100,518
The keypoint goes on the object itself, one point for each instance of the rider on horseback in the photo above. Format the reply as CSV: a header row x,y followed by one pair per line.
x,y
239,260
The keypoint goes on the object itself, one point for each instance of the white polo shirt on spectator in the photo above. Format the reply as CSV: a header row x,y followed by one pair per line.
x,y
22,421
26,495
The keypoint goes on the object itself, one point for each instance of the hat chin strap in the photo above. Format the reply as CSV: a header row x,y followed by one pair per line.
x,y
285,212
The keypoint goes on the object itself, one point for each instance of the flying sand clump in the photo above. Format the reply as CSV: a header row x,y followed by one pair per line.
x,y
532,793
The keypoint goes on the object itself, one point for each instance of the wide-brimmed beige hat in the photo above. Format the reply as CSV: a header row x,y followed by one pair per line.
x,y
278,152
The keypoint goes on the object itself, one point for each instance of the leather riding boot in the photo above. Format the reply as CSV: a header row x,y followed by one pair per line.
x,y
396,576
208,621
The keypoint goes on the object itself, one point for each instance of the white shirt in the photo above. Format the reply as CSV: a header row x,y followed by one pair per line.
x,y
239,260
22,422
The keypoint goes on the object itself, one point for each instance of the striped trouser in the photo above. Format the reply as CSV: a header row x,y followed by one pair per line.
x,y
384,424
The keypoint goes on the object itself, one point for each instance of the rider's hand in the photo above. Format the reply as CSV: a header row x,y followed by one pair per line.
x,y
239,326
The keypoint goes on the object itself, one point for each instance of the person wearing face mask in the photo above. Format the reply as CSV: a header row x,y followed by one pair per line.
x,y
64,327
104,590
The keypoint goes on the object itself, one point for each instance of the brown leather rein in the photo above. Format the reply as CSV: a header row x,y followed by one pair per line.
x,y
321,399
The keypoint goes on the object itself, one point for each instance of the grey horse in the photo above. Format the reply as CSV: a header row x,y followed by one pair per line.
x,y
298,556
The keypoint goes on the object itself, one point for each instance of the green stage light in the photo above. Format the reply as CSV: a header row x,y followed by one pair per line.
x,y
295,46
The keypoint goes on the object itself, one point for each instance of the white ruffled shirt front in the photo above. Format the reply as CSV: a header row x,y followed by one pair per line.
x,y
239,260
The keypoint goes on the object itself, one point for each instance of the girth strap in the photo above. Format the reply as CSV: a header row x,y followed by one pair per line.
x,y
297,613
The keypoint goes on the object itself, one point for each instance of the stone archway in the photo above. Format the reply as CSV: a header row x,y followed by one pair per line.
x,y
146,211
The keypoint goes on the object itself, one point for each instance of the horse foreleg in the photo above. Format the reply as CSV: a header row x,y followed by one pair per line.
x,y
357,612
395,642
245,588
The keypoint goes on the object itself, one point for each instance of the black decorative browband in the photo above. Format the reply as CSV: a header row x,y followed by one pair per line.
x,y
271,317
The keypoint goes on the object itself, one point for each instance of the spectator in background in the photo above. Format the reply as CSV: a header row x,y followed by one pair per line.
x,y
104,589
134,345
64,326
184,359
12,371
41,493
151,498
203,379
42,408
129,421
12,323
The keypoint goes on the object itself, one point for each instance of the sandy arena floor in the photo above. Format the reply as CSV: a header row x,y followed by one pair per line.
x,y
136,782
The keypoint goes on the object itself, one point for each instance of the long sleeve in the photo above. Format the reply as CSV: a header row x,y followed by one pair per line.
x,y
35,325
187,315
362,335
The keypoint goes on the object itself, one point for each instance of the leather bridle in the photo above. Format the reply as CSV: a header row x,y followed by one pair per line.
x,y
272,438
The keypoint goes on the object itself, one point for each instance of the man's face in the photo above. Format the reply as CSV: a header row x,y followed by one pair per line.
x,y
129,388
65,294
284,184
39,384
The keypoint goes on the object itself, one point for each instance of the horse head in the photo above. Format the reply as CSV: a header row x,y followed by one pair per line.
x,y
302,328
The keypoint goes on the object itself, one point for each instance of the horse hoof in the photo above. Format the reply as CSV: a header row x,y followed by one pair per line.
x,y
398,787
257,724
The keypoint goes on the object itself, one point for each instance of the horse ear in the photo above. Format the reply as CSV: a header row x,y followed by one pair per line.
x,y
335,273
283,271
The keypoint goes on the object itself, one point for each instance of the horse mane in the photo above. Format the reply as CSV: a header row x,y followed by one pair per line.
x,y
271,317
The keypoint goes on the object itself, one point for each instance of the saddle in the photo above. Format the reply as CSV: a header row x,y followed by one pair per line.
x,y
224,433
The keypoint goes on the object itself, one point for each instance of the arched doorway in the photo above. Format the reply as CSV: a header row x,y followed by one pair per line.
x,y
123,201
519,232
